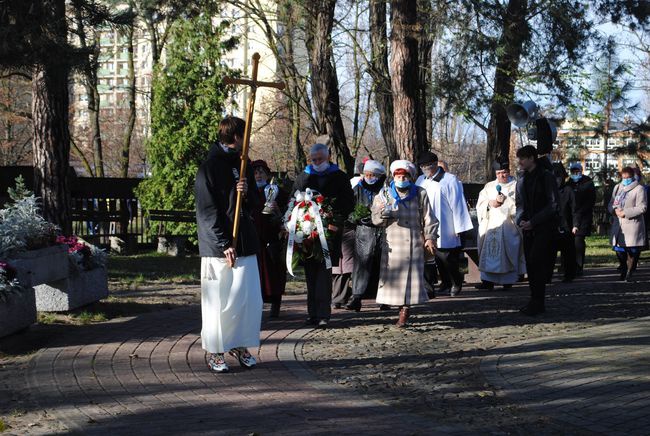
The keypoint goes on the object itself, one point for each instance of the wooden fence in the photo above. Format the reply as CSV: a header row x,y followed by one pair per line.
x,y
105,207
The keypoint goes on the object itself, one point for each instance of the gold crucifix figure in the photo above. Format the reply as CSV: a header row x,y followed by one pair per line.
x,y
254,84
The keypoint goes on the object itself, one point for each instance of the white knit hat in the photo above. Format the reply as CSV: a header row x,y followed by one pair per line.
x,y
403,164
373,166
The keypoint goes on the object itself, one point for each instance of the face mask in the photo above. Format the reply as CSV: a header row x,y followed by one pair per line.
x,y
576,177
321,167
371,180
260,183
403,184
627,182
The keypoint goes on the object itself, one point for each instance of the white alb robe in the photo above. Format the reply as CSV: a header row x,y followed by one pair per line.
x,y
449,206
500,248
231,304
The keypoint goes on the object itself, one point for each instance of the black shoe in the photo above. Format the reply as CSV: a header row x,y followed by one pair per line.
x,y
275,310
337,305
532,309
311,321
628,277
623,276
322,324
384,307
355,304
507,286
485,286
454,292
431,295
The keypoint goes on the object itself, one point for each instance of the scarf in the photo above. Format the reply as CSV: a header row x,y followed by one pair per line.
x,y
413,190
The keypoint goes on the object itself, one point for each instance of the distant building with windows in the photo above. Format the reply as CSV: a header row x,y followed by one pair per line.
x,y
583,141
113,82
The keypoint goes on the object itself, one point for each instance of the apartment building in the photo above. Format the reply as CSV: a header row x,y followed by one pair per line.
x,y
583,141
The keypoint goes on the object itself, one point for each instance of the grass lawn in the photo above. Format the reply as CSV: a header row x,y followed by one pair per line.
x,y
150,281
600,253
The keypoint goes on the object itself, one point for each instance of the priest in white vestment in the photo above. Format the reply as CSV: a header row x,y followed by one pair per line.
x,y
500,247
448,203
231,298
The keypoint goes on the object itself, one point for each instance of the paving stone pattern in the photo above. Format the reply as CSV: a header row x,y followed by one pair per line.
x,y
597,379
148,375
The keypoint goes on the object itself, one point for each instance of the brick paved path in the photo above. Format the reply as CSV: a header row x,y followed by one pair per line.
x,y
597,379
148,375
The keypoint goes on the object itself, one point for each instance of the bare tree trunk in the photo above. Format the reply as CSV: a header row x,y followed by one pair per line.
x,y
84,161
289,71
324,82
128,132
427,26
515,29
52,138
90,82
380,75
405,80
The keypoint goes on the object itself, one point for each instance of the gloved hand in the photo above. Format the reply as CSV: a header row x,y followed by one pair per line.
x,y
388,213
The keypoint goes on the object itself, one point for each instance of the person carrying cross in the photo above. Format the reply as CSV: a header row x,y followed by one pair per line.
x,y
231,298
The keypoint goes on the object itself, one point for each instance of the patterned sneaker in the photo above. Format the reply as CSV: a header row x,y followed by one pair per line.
x,y
217,363
245,358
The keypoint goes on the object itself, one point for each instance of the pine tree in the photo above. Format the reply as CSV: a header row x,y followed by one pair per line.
x,y
186,111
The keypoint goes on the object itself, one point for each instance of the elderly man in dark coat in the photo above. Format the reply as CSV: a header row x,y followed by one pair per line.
x,y
326,178
584,192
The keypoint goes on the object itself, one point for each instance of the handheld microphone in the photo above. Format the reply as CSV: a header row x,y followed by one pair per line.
x,y
498,189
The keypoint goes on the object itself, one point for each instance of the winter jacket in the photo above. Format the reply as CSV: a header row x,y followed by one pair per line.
x,y
629,231
585,196
567,207
216,196
537,199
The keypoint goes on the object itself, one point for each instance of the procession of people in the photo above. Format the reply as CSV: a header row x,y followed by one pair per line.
x,y
396,237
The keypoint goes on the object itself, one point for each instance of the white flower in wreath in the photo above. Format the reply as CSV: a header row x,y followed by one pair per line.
x,y
300,236
307,227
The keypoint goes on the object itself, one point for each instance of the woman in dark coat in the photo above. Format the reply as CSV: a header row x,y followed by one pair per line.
x,y
273,276
367,252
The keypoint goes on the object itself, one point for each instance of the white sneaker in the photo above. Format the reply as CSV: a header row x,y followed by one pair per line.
x,y
217,363
245,358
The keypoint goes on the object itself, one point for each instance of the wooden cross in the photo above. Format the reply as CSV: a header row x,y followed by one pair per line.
x,y
254,84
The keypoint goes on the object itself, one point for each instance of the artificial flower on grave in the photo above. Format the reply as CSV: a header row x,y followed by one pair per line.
x,y
8,282
83,255
306,221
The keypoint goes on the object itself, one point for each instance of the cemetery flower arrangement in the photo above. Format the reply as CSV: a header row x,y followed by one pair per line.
x,y
8,282
21,225
83,256
306,221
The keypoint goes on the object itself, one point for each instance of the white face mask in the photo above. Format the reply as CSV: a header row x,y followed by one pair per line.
x,y
371,180
321,167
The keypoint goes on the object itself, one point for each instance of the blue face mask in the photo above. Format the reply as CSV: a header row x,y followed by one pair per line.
x,y
576,177
627,182
260,183
371,180
321,167
403,184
